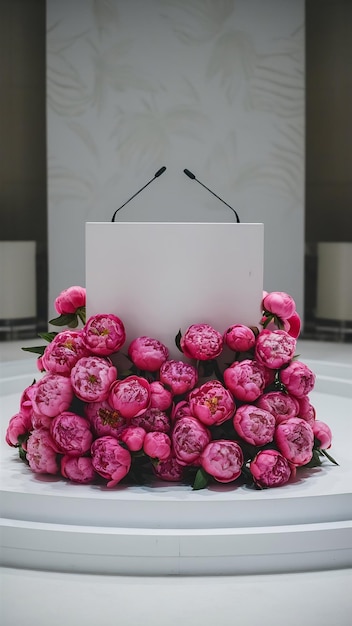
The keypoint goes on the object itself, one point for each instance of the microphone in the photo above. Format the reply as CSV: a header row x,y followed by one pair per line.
x,y
156,175
193,177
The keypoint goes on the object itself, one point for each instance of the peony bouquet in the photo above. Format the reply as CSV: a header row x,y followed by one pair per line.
x,y
234,408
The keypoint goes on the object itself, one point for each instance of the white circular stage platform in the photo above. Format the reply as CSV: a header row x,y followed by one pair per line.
x,y
50,524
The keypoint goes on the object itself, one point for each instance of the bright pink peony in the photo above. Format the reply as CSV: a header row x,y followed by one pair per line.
x,y
153,419
104,334
104,419
147,354
279,303
239,338
254,425
71,299
157,445
179,376
42,452
71,434
92,377
78,469
306,410
323,433
245,379
293,325
63,352
19,425
133,437
130,397
160,397
298,379
223,460
274,348
211,403
41,421
53,394
181,409
279,404
26,405
110,460
295,440
270,469
201,342
189,439
169,470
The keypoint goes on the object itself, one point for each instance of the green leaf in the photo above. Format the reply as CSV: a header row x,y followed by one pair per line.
x,y
201,480
315,460
178,340
22,454
74,323
47,336
36,350
81,312
63,320
328,456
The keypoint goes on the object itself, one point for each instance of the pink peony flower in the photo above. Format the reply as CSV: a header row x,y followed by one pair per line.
x,y
189,439
26,405
274,348
254,425
169,470
147,354
41,421
104,334
92,377
239,338
42,452
110,459
211,403
19,425
279,303
53,394
104,419
295,440
201,342
78,469
293,325
323,433
157,445
245,379
153,419
306,410
133,437
130,397
270,469
179,376
181,409
298,379
71,434
223,460
279,404
63,352
160,397
71,299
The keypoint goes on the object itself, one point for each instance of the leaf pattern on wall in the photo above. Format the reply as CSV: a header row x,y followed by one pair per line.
x,y
195,21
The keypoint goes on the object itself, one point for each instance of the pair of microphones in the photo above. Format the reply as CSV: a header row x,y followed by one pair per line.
x,y
191,176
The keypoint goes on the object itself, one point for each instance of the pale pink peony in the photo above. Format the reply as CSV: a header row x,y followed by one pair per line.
x,y
254,425
133,437
279,303
71,434
147,353
169,470
63,352
42,452
323,433
306,410
153,419
160,397
298,379
201,342
71,299
270,469
104,334
110,459
104,419
239,338
245,379
211,403
295,439
53,394
130,397
189,438
179,376
157,445
78,469
19,425
279,404
274,348
223,460
92,377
